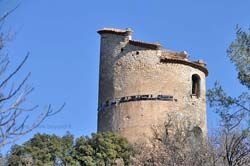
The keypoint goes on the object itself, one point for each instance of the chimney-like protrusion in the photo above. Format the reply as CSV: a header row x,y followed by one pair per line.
x,y
126,33
112,42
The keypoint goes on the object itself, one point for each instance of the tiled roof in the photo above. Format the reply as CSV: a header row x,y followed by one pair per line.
x,y
115,31
154,46
166,55
174,59
174,55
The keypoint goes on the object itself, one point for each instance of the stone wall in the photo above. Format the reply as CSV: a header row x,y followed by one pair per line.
x,y
128,70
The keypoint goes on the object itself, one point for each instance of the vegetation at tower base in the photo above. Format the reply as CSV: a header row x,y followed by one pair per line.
x,y
175,143
14,115
43,149
99,149
180,144
235,111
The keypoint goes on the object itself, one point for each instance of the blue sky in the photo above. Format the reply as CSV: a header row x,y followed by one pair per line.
x,y
61,37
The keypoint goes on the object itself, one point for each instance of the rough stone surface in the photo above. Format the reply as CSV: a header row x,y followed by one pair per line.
x,y
127,70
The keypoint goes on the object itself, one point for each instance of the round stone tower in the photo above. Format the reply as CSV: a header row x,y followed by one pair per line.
x,y
141,83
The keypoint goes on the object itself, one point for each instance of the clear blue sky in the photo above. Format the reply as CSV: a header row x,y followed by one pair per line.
x,y
61,36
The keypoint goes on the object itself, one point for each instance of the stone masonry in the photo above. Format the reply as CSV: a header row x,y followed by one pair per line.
x,y
141,83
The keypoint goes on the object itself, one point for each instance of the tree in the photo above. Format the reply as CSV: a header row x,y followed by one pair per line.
x,y
239,54
178,142
44,149
99,149
235,148
235,111
103,149
13,114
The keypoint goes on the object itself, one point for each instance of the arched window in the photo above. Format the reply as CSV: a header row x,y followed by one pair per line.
x,y
196,137
196,85
197,133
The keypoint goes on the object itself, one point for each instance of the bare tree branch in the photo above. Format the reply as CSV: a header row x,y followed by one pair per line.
x,y
14,117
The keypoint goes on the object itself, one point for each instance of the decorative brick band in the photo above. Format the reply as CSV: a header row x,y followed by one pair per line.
x,y
126,99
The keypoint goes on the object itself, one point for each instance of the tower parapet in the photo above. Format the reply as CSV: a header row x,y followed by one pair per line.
x,y
141,83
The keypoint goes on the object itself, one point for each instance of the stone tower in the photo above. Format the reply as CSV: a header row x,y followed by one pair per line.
x,y
140,83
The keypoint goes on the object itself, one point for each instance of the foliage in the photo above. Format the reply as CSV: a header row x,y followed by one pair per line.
x,y
102,149
234,110
43,149
239,54
232,146
178,142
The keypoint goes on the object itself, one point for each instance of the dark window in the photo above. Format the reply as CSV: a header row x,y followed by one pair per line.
x,y
196,85
197,132
122,49
196,137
